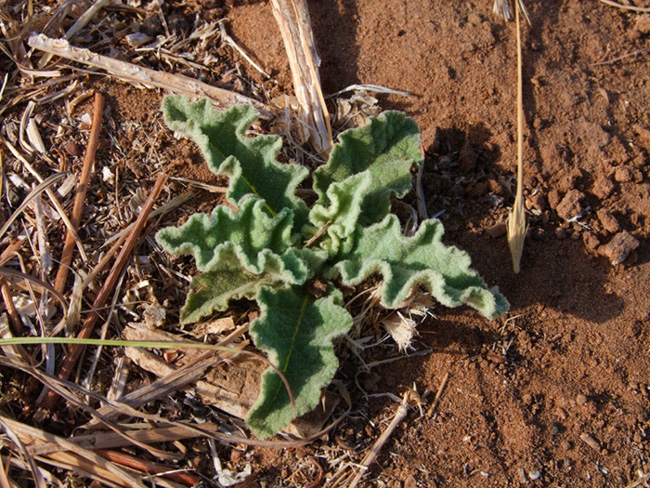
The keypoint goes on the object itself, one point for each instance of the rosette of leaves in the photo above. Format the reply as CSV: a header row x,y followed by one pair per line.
x,y
273,245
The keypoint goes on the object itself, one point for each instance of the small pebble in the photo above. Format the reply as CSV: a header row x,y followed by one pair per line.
x,y
534,475
72,149
538,201
581,400
497,230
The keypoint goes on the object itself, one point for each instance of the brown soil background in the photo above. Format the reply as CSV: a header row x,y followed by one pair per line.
x,y
572,358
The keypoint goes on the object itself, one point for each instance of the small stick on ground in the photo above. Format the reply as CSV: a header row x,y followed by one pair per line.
x,y
89,324
441,388
137,74
14,319
80,197
517,227
383,438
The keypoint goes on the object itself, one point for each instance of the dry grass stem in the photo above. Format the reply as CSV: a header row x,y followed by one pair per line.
x,y
620,58
643,480
41,187
503,9
107,289
69,453
230,41
625,7
55,201
139,75
292,17
436,399
381,441
517,227
82,189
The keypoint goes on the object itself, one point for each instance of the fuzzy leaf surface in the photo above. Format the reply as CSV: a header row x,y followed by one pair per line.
x,y
249,162
421,260
387,147
251,230
239,252
296,331
341,215
213,291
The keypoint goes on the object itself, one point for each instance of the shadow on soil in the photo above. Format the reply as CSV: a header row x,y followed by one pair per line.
x,y
559,274
335,29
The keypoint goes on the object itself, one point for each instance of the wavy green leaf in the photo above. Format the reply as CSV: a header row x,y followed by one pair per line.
x,y
421,260
238,253
251,229
249,162
341,215
296,331
213,291
388,147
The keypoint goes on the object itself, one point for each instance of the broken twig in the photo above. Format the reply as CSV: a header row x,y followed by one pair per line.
x,y
80,197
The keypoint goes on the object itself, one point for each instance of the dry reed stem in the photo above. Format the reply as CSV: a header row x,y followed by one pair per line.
x,y
185,478
517,227
4,477
75,455
292,17
89,324
80,197
145,76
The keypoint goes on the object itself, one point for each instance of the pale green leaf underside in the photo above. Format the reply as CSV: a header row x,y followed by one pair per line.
x,y
421,260
249,162
296,331
388,147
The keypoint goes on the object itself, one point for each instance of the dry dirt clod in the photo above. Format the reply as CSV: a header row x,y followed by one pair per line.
x,y
603,187
590,239
608,221
623,175
619,248
642,24
570,206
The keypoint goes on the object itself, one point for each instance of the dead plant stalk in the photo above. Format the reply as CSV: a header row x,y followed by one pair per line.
x,y
84,180
517,219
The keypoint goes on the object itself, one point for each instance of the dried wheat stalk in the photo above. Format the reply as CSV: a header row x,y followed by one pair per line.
x,y
293,19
